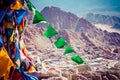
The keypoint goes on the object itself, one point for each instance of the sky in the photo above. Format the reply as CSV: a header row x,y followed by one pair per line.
x,y
82,7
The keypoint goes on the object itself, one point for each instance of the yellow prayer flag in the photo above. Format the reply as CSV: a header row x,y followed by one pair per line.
x,y
16,5
5,63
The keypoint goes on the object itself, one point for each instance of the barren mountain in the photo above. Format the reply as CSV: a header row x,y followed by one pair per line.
x,y
59,18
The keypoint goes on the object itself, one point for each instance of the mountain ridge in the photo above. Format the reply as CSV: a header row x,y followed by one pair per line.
x,y
104,19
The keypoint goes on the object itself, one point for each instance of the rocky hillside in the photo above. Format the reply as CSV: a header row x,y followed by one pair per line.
x,y
77,31
83,36
104,19
88,75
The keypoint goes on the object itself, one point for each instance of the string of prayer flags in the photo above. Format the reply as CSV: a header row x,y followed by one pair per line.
x,y
69,49
20,14
77,59
60,43
50,32
12,20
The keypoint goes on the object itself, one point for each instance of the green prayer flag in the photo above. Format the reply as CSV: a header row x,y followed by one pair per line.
x,y
30,6
77,59
38,17
60,43
50,32
69,49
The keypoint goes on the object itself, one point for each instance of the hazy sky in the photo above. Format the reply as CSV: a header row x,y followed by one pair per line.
x,y
81,7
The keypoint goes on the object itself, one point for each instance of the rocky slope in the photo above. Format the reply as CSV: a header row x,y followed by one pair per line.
x,y
86,75
83,36
77,31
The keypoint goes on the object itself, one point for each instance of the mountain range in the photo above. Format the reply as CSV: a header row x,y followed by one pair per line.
x,y
112,21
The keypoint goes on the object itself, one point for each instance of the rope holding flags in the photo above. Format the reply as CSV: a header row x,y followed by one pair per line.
x,y
50,32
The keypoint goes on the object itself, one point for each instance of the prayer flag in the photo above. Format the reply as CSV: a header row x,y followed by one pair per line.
x,y
77,59
5,62
20,14
68,50
31,7
60,43
38,17
50,32
16,5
